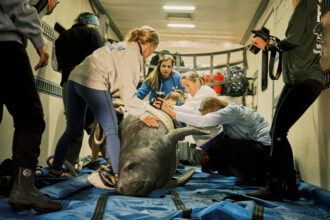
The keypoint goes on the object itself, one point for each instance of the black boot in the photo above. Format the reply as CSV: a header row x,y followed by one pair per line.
x,y
25,195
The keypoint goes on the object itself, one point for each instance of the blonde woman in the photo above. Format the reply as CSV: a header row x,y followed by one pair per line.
x,y
91,83
303,78
161,79
194,84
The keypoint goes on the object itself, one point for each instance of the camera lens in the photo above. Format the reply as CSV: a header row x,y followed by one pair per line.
x,y
160,94
253,49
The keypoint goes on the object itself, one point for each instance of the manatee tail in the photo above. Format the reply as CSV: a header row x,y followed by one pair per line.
x,y
181,180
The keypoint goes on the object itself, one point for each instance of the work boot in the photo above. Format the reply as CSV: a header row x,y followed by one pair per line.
x,y
25,195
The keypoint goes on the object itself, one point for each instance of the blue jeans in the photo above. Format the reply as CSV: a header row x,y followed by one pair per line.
x,y
100,103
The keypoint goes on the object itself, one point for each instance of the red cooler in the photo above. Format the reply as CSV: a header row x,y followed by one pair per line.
x,y
216,78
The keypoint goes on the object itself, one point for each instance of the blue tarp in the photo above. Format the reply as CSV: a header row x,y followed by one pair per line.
x,y
203,194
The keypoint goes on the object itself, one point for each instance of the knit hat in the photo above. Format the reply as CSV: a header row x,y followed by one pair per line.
x,y
91,19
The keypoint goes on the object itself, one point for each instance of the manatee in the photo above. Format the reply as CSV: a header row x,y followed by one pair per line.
x,y
148,157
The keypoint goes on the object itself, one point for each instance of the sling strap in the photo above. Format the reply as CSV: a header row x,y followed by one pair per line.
x,y
258,212
268,67
179,205
100,207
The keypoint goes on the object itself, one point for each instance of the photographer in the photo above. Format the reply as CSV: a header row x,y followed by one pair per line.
x,y
303,80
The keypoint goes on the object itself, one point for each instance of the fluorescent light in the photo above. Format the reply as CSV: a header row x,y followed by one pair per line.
x,y
176,7
181,25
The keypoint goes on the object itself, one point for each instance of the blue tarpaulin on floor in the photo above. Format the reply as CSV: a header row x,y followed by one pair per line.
x,y
203,197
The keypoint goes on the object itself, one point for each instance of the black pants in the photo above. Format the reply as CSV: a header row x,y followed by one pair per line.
x,y
18,93
293,102
246,159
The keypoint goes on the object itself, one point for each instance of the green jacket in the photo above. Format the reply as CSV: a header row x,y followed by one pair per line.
x,y
305,31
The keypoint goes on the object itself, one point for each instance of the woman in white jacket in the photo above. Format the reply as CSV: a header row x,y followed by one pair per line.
x,y
111,68
194,84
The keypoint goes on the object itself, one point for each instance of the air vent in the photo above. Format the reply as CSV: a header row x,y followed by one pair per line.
x,y
179,16
48,87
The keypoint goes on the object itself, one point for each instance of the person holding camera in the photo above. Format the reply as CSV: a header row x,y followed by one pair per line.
x,y
161,81
303,78
114,67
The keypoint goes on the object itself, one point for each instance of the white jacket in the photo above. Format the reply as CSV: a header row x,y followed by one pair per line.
x,y
195,101
114,67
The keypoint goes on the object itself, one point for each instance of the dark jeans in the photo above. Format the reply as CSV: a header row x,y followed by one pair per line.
x,y
18,93
293,102
246,159
100,103
74,150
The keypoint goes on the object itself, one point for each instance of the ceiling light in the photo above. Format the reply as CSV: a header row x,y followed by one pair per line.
x,y
181,25
176,7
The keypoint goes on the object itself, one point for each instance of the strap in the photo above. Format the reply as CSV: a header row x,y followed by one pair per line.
x,y
271,65
100,207
258,212
264,70
179,205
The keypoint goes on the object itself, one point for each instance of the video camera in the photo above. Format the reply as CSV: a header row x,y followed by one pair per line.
x,y
262,33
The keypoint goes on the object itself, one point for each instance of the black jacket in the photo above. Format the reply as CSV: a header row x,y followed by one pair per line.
x,y
73,45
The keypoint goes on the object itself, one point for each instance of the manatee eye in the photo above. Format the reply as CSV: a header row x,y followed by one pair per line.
x,y
130,166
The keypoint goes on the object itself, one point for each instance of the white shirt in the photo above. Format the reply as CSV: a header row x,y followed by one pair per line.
x,y
195,101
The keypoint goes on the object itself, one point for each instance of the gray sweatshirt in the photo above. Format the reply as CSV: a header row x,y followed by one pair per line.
x,y
114,67
239,122
19,21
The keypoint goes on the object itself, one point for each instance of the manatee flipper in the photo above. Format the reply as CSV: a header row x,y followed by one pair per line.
x,y
181,180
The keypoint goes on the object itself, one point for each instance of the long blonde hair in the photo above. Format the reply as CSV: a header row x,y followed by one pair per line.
x,y
193,76
153,77
145,34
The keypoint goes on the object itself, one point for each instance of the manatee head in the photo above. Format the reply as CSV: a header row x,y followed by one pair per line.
x,y
139,172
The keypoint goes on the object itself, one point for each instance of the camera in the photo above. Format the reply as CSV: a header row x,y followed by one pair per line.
x,y
262,33
159,94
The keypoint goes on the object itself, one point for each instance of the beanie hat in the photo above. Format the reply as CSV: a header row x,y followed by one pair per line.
x,y
91,19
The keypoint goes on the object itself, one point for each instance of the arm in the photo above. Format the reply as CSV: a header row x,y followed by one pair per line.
x,y
194,118
97,40
51,6
26,21
294,32
128,92
185,109
223,116
143,91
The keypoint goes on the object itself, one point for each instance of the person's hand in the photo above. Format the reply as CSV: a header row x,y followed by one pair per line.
x,y
117,103
151,121
260,43
164,106
43,61
51,6
120,111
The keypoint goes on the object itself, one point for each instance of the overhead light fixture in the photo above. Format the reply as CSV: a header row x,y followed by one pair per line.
x,y
179,8
181,25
